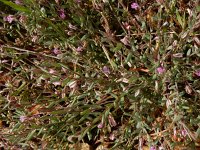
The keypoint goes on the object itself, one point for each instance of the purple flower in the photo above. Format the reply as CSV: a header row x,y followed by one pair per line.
x,y
184,133
152,148
160,70
106,70
9,18
135,6
100,126
62,13
197,73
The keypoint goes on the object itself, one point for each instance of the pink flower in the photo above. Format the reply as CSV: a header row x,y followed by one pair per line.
x,y
160,70
152,148
79,49
52,71
126,25
112,136
135,6
9,18
184,133
18,2
23,19
56,51
56,83
62,13
197,73
72,26
100,126
23,118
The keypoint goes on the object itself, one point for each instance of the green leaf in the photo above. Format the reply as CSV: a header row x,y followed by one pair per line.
x,y
31,135
177,118
16,7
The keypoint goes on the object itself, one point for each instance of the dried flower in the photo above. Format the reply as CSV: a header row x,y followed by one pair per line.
x,y
125,40
100,126
62,13
111,121
160,1
135,6
178,55
160,70
52,71
72,26
9,18
34,38
126,25
106,70
57,1
23,19
197,73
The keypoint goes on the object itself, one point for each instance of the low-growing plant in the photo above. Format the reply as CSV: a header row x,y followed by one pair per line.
x,y
124,74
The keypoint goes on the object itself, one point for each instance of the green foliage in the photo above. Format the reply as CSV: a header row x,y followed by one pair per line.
x,y
100,71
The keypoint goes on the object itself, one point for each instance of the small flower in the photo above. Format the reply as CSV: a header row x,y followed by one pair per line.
x,y
34,38
57,1
126,25
178,55
100,126
9,18
112,136
23,118
62,13
152,148
56,83
184,133
18,2
135,6
52,71
23,19
56,51
197,73
79,49
106,70
160,70
72,26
